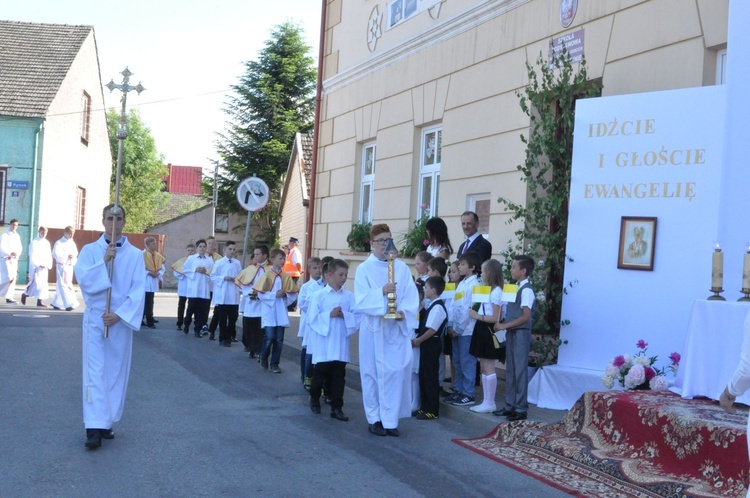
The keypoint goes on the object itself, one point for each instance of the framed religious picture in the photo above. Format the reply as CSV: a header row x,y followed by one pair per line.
x,y
637,243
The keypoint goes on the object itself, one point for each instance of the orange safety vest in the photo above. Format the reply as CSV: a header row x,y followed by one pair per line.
x,y
290,268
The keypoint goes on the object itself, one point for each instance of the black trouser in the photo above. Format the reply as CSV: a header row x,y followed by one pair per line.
x,y
332,374
181,300
429,373
228,314
148,309
252,334
293,306
197,308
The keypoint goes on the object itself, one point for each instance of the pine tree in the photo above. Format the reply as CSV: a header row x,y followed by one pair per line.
x,y
274,99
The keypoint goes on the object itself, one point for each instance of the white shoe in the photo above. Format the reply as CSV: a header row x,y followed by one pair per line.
x,y
483,409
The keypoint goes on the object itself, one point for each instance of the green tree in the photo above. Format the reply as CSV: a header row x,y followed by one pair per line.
x,y
274,99
549,101
143,171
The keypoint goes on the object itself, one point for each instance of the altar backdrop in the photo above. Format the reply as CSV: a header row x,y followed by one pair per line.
x,y
657,155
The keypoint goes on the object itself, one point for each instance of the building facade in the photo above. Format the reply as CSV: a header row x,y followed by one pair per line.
x,y
420,111
55,161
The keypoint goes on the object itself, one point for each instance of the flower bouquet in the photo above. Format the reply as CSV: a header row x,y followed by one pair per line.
x,y
639,371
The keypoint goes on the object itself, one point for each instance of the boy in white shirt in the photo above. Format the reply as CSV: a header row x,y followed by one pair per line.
x,y
333,321
308,289
276,291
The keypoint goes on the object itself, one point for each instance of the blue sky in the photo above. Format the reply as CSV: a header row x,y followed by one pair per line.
x,y
186,53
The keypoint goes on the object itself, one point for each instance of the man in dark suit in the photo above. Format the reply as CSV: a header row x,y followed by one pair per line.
x,y
474,241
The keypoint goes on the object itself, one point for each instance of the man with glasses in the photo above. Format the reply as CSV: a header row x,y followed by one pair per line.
x,y
385,344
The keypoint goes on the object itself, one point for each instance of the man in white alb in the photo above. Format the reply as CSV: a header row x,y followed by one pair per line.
x,y
40,261
106,360
10,251
65,253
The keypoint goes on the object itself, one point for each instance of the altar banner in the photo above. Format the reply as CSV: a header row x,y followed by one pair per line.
x,y
649,155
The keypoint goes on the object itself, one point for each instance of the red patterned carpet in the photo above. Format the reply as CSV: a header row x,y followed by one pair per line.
x,y
629,443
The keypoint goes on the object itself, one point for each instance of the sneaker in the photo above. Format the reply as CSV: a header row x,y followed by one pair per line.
x,y
463,401
275,369
204,330
427,416
453,397
483,409
264,362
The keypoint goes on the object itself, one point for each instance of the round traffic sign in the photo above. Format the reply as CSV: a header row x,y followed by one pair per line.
x,y
252,194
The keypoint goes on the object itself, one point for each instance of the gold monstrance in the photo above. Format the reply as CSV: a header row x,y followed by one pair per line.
x,y
390,253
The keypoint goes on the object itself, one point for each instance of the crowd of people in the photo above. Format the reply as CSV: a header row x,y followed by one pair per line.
x,y
453,308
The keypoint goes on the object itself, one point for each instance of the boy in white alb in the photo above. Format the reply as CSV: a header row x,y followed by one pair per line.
x,y
197,269
332,321
40,261
308,289
276,291
252,332
181,285
155,269
226,296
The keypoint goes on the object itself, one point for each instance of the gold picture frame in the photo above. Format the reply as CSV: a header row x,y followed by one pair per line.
x,y
637,243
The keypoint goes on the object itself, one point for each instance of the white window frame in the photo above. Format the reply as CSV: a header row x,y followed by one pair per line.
x,y
431,171
368,181
85,118
721,66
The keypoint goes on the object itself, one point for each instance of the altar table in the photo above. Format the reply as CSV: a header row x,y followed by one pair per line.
x,y
712,349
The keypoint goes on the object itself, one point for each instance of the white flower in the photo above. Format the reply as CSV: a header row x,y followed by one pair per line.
x,y
540,296
540,263
608,381
628,360
635,377
642,360
658,383
611,371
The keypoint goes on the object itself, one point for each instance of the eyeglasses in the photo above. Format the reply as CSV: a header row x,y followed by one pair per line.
x,y
381,241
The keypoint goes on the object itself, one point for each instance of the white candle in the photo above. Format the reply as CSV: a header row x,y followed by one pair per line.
x,y
717,269
746,272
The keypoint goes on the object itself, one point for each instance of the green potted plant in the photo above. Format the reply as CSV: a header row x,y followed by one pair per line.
x,y
415,240
359,237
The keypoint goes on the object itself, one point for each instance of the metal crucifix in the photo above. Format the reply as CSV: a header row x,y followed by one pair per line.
x,y
122,134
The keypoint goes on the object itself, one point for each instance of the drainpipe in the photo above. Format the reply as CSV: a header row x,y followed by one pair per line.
x,y
316,133
33,224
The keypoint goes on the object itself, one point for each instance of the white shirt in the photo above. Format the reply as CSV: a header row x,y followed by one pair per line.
x,y
199,284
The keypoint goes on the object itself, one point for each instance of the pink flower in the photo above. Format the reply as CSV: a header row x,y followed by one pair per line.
x,y
675,357
658,383
425,242
618,361
650,374
641,344
423,206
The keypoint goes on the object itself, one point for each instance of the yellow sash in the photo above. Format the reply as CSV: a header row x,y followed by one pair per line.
x,y
153,260
266,282
177,266
247,275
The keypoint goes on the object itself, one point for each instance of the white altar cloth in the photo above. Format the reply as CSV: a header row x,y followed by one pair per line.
x,y
712,349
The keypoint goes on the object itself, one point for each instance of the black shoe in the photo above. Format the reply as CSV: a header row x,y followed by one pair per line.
x,y
23,299
234,339
516,416
107,433
316,409
186,327
198,334
264,363
503,413
339,415
156,321
70,308
152,326
376,428
93,438
392,432
212,336
56,308
227,344
179,327
11,301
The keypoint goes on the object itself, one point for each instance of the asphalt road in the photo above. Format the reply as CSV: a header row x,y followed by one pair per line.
x,y
203,420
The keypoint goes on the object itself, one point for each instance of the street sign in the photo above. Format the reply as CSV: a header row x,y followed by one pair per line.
x,y
253,194
15,184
